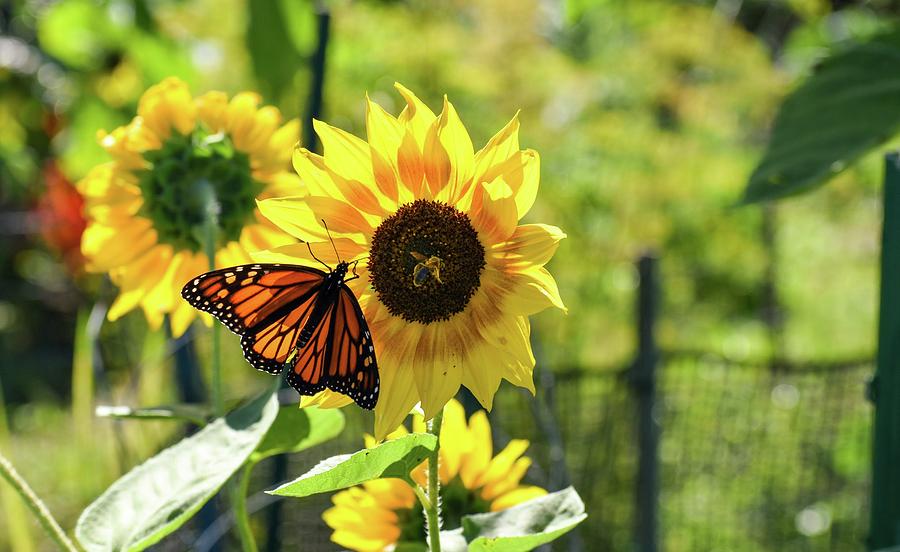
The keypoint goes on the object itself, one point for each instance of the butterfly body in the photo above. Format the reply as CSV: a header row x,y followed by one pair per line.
x,y
296,320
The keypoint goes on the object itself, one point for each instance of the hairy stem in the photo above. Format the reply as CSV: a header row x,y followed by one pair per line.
x,y
433,507
40,511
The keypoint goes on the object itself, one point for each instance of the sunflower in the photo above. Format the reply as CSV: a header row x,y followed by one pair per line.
x,y
449,277
384,512
179,161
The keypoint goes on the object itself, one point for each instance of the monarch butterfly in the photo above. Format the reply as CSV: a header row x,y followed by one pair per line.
x,y
296,320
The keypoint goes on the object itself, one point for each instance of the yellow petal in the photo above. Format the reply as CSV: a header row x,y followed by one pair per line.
x,y
495,215
437,369
167,105
509,481
211,110
325,399
416,116
345,154
530,245
454,442
108,247
517,496
294,216
482,375
299,253
410,166
503,462
397,396
522,173
385,133
507,334
240,118
181,318
532,291
476,461
338,216
498,149
336,185
448,155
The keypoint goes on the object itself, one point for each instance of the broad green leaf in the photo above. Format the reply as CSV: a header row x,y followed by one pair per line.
x,y
847,107
157,497
275,60
297,429
395,458
194,413
525,526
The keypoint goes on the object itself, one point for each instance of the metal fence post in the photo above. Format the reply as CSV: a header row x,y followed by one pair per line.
x,y
884,530
642,378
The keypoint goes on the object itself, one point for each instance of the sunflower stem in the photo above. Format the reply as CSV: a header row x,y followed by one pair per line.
x,y
211,232
433,506
239,502
37,507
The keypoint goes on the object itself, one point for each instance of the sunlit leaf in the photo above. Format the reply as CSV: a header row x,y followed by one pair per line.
x,y
395,458
525,526
847,107
297,429
157,497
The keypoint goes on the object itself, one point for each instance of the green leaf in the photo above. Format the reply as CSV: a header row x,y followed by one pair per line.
x,y
297,429
395,458
847,107
157,497
193,413
527,525
275,59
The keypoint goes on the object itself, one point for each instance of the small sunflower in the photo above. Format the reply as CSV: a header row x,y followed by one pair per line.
x,y
449,277
385,512
181,156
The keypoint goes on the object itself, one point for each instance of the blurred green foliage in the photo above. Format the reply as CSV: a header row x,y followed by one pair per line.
x,y
649,117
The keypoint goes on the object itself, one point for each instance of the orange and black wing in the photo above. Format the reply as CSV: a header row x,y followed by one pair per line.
x,y
266,304
340,355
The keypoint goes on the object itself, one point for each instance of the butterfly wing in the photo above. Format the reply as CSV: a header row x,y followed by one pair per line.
x,y
340,354
266,304
351,366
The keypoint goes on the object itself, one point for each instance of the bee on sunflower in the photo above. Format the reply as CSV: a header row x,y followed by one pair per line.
x,y
384,513
447,275
179,163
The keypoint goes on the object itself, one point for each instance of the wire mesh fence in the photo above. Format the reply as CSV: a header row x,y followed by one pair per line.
x,y
751,458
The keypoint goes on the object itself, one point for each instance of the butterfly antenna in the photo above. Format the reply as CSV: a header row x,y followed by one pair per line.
x,y
316,258
327,231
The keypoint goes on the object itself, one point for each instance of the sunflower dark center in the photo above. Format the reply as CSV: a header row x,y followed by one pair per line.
x,y
189,178
426,261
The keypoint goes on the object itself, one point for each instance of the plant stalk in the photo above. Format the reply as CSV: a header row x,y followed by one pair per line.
x,y
239,503
212,229
37,507
433,507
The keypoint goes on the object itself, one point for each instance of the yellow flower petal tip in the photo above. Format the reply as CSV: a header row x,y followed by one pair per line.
x,y
148,253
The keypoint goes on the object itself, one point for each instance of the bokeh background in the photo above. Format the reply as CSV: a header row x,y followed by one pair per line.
x,y
649,117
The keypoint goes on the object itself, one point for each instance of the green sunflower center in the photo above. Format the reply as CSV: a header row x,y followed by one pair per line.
x,y
426,261
194,180
456,501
